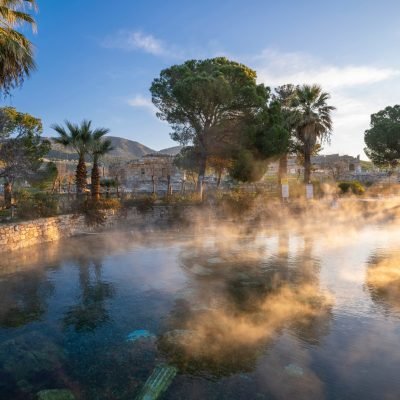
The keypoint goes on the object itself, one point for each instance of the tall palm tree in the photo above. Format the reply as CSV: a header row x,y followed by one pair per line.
x,y
16,51
99,147
79,138
313,121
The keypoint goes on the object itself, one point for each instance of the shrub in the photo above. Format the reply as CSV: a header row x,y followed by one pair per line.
x,y
145,204
95,211
109,204
237,202
36,205
354,187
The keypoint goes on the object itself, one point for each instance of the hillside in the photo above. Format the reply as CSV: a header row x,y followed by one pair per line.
x,y
128,149
124,149
171,151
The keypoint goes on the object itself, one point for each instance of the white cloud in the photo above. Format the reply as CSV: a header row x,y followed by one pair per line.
x,y
353,91
276,68
142,102
130,41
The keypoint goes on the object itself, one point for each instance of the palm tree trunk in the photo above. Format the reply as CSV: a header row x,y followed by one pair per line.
x,y
282,171
7,194
307,166
95,177
81,175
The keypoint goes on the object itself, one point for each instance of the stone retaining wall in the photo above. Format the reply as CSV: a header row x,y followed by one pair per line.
x,y
16,236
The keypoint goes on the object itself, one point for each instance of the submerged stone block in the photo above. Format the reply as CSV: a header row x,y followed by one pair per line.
x,y
157,383
55,394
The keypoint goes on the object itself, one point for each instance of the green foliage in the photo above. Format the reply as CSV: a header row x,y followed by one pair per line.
x,y
35,205
108,183
16,61
145,204
383,138
109,204
246,168
45,178
312,119
95,210
206,102
188,159
271,135
84,140
367,165
354,187
237,202
22,151
267,137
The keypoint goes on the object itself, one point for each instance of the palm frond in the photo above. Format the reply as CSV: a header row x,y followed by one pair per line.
x,y
16,51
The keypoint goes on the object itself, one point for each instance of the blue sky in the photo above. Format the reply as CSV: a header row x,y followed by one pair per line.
x,y
96,59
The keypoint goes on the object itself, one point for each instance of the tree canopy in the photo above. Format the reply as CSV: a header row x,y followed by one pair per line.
x,y
22,148
206,102
383,137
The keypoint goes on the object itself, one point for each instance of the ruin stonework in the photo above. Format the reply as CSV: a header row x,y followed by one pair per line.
x,y
15,236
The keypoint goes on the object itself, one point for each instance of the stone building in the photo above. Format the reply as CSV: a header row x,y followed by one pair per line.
x,y
336,164
329,165
152,169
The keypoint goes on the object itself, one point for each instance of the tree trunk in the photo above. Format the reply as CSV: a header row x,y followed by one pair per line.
x,y
307,167
95,177
169,191
282,172
8,194
153,180
81,175
202,172
219,178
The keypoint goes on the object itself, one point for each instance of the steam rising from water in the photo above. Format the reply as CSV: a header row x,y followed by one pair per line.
x,y
257,293
241,297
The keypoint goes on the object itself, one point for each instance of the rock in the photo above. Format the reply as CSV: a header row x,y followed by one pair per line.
x,y
157,383
55,394
28,355
215,260
200,270
294,370
139,334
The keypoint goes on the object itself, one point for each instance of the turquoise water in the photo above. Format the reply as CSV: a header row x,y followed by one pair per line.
x,y
271,315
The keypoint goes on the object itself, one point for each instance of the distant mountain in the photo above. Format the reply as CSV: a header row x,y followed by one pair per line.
x,y
171,151
128,149
124,149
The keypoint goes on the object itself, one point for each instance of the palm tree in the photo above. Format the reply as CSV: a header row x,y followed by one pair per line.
x,y
79,138
313,121
16,51
98,148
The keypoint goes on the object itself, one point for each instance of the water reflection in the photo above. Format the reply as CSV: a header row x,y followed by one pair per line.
x,y
25,289
383,280
23,298
239,301
90,311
